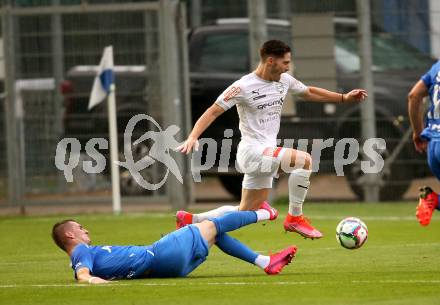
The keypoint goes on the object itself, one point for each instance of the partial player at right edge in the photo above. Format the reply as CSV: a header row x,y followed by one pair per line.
x,y
426,135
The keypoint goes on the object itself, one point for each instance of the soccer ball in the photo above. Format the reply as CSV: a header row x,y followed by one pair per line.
x,y
351,233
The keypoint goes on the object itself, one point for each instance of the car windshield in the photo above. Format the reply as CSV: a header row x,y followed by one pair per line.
x,y
226,52
229,52
388,53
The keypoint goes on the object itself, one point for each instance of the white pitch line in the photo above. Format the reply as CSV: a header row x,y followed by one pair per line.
x,y
369,218
411,245
169,215
382,246
399,282
85,217
261,283
189,283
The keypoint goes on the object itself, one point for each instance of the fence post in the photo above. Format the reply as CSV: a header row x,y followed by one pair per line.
x,y
368,117
284,9
186,97
171,88
196,13
13,113
257,29
58,74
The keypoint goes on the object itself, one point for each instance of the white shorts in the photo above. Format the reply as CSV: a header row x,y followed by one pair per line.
x,y
260,164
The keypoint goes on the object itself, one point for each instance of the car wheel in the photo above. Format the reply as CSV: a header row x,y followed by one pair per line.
x,y
153,174
396,179
232,184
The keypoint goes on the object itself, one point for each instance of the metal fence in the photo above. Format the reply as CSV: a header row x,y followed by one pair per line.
x,y
52,46
51,57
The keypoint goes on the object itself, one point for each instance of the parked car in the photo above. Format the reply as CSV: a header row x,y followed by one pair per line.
x,y
219,55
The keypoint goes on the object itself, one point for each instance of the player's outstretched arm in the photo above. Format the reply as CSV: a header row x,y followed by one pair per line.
x,y
316,94
202,123
415,113
83,276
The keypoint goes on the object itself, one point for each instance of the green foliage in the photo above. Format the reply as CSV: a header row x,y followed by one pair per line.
x,y
398,265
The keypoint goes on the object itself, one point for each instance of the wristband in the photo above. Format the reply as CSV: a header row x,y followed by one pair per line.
x,y
91,279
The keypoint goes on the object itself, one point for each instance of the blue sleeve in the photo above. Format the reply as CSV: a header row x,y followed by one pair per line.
x,y
82,258
429,77
426,78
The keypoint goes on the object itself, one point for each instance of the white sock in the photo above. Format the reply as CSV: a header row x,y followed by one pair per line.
x,y
262,215
262,261
214,213
299,181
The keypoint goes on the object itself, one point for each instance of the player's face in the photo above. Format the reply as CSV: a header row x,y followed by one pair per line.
x,y
281,65
80,233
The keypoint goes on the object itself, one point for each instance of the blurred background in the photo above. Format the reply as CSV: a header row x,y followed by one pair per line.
x,y
172,59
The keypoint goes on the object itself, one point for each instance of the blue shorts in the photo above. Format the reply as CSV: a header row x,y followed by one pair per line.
x,y
179,253
434,157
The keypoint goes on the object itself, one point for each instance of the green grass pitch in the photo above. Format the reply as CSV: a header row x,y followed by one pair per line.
x,y
399,264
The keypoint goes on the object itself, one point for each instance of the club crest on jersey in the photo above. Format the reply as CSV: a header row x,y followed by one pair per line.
x,y
279,87
233,91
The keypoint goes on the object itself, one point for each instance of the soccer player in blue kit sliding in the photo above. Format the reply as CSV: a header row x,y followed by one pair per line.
x,y
426,135
175,255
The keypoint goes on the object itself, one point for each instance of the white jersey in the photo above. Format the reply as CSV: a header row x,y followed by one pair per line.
x,y
259,103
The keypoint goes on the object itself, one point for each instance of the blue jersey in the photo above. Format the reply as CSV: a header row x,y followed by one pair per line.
x,y
113,262
432,81
174,255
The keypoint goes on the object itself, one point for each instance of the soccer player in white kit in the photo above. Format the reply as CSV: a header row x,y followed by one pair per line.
x,y
259,98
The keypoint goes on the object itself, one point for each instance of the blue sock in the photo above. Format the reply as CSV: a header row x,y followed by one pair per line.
x,y
235,248
234,220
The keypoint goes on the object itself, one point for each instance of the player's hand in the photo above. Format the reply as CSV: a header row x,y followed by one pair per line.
x,y
190,144
97,280
356,95
419,143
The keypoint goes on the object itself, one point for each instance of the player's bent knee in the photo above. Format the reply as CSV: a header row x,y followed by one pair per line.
x,y
208,231
301,160
309,162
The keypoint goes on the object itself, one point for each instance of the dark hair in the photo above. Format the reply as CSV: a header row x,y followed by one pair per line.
x,y
275,48
58,233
